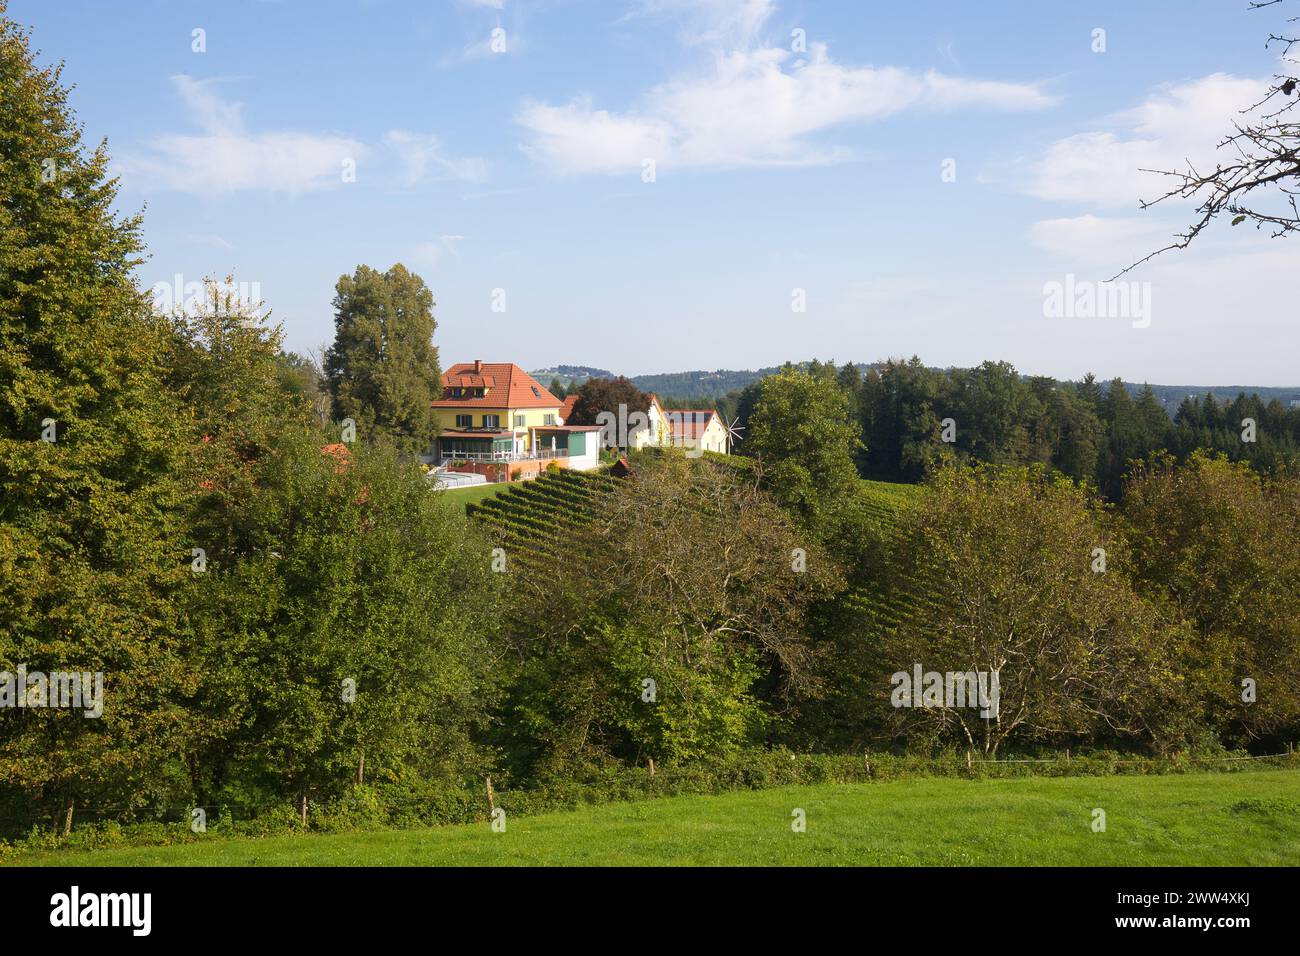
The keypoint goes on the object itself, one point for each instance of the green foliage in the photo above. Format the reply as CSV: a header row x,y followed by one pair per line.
x,y
597,395
681,575
995,570
1214,542
325,577
801,433
91,541
383,367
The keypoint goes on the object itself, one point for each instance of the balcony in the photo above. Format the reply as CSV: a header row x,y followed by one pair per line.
x,y
541,453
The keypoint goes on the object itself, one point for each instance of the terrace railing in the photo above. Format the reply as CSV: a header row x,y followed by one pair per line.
x,y
540,453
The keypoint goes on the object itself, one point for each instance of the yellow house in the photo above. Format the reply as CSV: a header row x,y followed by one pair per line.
x,y
496,412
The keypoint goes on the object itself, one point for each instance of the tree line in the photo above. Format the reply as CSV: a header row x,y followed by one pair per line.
x,y
909,418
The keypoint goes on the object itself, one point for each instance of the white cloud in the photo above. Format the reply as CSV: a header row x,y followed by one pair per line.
x,y
754,108
225,157
1093,239
1173,125
576,138
728,24
423,159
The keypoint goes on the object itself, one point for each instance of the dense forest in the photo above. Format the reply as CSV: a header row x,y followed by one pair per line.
x,y
1086,430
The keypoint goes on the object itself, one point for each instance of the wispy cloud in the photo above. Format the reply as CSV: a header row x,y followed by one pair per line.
x,y
1175,124
226,157
725,24
1095,239
207,239
432,253
423,159
764,107
488,41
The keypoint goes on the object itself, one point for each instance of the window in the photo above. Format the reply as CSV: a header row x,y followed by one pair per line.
x,y
536,393
548,419
455,393
491,421
519,421
464,421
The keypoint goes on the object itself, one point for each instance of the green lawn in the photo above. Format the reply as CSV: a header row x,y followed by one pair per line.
x,y
474,493
1224,819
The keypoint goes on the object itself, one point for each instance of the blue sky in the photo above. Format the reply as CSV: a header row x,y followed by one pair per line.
x,y
783,161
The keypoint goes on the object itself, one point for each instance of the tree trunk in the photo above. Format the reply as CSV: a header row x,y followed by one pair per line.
x,y
492,798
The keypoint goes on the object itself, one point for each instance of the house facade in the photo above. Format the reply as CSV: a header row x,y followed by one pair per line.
x,y
698,428
497,420
659,433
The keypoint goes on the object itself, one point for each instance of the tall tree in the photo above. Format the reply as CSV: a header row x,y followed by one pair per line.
x,y
598,395
92,446
997,570
383,367
802,432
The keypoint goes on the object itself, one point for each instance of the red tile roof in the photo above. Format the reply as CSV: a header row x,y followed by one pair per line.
x,y
508,386
567,408
690,422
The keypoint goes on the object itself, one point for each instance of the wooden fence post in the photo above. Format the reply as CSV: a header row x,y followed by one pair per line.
x,y
492,800
67,819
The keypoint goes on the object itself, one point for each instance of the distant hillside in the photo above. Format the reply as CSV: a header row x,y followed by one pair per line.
x,y
1171,396
570,374
708,386
700,384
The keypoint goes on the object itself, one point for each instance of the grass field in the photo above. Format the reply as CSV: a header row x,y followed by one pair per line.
x,y
473,493
1194,819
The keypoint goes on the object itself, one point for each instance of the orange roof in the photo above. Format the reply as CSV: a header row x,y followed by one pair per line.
x,y
508,386
690,422
341,454
567,408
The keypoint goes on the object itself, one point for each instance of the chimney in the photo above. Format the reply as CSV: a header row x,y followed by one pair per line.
x,y
478,366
